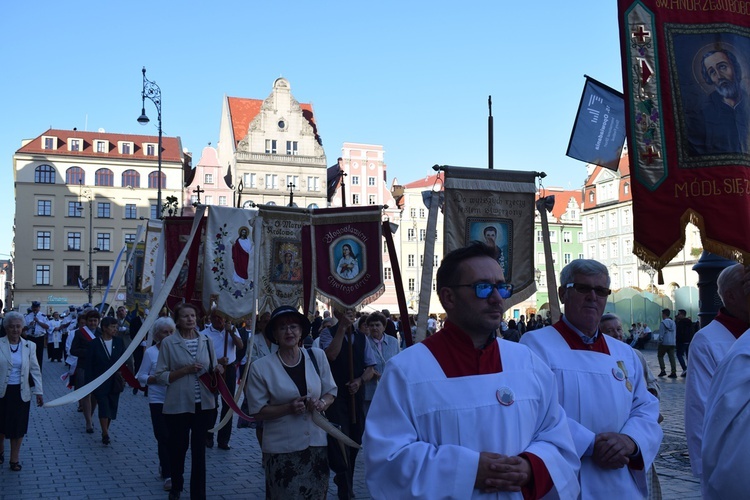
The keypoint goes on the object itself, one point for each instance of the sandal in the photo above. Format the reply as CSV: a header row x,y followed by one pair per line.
x,y
15,466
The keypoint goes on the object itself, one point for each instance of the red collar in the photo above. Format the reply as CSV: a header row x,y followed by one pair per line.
x,y
576,344
735,325
455,353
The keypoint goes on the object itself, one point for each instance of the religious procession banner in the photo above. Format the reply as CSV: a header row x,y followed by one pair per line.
x,y
152,276
189,284
497,208
686,70
344,252
229,264
599,130
280,264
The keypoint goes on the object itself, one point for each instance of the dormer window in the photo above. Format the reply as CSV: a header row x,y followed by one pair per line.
x,y
74,144
126,148
150,149
48,143
101,146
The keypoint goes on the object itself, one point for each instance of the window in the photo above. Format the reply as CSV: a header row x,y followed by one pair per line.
x,y
271,146
626,188
222,201
313,184
355,199
539,258
566,259
553,236
75,144
75,175
602,222
291,147
387,273
272,181
71,275
591,197
126,148
421,213
103,210
44,207
131,212
421,260
580,256
371,181
42,274
250,180
613,219
74,241
49,143
355,180
154,213
540,236
153,180
580,237
422,234
434,285
413,213
411,234
131,178
209,200
43,240
104,177
613,249
292,179
101,147
567,237
437,260
628,245
44,174
371,199
102,275
410,260
208,178
75,209
103,241
312,206
150,150
603,251
193,199
626,217
129,238
411,284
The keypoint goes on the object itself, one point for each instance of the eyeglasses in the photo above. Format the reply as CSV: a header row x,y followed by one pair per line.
x,y
600,291
484,290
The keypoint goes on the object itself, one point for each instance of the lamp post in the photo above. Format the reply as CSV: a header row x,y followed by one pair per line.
x,y
152,92
291,187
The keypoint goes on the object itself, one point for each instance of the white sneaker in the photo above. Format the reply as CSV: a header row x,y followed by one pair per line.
x,y
168,484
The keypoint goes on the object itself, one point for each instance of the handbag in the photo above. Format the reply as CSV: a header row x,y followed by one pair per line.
x,y
118,383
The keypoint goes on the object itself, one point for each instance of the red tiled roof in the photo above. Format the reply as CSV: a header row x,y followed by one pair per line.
x,y
425,182
561,200
243,111
624,169
171,146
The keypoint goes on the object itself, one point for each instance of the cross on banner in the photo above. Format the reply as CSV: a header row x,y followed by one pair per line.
x,y
198,191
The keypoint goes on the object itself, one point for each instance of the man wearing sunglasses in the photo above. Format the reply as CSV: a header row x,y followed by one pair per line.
x,y
465,413
612,416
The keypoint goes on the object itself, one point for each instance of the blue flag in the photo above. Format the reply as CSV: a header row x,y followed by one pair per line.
x,y
599,130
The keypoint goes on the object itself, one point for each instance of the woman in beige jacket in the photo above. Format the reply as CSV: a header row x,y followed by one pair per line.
x,y
183,358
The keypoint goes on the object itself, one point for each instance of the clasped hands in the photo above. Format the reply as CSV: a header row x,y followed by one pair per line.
x,y
497,473
612,450
299,406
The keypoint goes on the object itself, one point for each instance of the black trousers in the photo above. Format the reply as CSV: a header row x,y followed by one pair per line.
x,y
230,378
342,465
39,341
159,423
188,429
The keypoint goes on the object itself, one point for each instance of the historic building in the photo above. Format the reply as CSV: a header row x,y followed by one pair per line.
x,y
80,197
273,150
211,183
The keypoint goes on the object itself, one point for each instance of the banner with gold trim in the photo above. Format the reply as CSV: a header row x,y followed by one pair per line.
x,y
686,72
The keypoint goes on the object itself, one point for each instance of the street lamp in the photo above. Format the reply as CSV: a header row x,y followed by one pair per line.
x,y
152,91
90,281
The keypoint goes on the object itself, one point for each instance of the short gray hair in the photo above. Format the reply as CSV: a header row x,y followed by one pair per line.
x,y
14,316
730,279
163,322
610,317
586,267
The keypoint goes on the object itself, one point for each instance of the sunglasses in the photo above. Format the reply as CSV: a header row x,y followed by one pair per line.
x,y
600,291
484,290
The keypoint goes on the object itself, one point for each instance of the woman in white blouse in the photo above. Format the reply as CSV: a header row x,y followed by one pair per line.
x,y
17,361
283,388
162,328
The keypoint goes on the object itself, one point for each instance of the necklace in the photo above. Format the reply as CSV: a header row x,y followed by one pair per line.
x,y
18,346
299,358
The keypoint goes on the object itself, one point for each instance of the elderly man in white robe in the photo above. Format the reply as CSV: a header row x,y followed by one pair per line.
x,y
708,348
612,416
465,414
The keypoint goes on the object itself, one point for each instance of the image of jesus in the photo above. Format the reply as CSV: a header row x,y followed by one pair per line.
x,y
241,256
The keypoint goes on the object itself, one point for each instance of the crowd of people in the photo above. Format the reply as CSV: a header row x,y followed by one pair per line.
x,y
574,406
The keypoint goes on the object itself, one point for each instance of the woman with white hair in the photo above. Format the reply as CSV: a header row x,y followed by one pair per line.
x,y
162,328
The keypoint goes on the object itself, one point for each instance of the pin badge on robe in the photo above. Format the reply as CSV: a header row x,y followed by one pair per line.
x,y
505,396
618,374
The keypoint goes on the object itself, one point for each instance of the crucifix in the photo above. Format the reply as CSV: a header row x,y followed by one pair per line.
x,y
291,187
198,191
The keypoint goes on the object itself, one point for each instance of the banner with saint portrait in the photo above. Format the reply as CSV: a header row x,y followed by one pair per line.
x,y
497,208
189,284
686,72
345,251
229,263
280,263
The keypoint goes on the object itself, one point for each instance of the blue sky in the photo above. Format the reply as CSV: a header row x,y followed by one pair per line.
x,y
412,76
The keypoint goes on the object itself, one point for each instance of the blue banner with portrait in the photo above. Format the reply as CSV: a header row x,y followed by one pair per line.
x,y
599,130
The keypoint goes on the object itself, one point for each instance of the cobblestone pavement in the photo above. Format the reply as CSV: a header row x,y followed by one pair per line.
x,y
61,461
